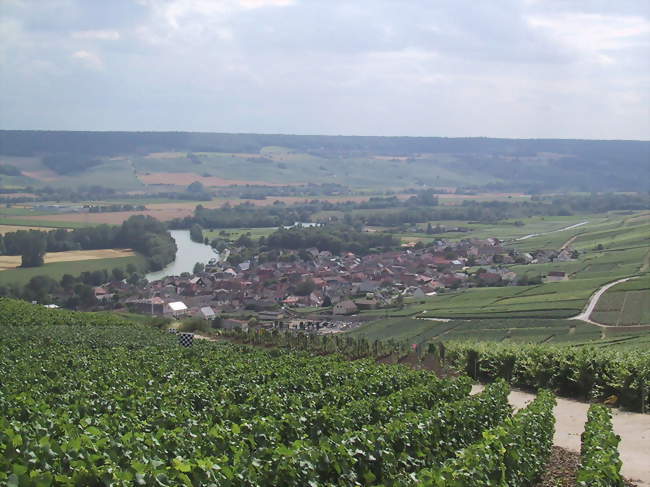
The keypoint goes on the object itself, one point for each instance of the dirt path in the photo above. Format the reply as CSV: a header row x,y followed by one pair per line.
x,y
593,301
570,227
570,417
568,242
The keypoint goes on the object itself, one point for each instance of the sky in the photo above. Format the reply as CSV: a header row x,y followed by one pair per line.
x,y
498,68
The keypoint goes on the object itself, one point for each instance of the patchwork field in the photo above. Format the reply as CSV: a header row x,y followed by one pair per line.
x,y
13,261
111,218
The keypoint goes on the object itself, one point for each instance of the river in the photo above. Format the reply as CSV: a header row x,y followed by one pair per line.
x,y
188,254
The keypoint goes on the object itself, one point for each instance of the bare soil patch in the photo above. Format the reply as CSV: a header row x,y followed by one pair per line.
x,y
14,228
187,178
13,261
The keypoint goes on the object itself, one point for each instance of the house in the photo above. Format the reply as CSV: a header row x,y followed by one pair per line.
x,y
555,276
177,308
102,295
344,308
207,313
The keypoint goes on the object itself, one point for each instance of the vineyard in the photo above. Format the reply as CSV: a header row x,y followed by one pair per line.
x,y
585,373
118,405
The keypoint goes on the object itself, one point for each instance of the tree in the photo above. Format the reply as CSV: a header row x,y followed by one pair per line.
x,y
196,233
217,322
33,248
67,281
196,187
305,287
198,268
327,302
118,274
86,295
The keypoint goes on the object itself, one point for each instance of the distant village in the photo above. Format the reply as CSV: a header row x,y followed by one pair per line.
x,y
321,282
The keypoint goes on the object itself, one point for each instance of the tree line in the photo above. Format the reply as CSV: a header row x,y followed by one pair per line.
x,y
420,208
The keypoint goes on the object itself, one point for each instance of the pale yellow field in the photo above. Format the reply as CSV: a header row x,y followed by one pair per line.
x,y
13,261
14,228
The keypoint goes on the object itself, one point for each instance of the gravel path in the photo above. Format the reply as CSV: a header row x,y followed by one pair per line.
x,y
570,417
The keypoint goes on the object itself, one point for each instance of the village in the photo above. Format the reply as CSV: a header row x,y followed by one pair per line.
x,y
319,283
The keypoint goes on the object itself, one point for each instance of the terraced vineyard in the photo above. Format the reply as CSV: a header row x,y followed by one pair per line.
x,y
84,405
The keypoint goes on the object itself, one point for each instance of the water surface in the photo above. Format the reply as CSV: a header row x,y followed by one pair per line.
x,y
188,254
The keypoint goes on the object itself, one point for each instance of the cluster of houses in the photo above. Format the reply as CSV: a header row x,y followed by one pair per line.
x,y
345,284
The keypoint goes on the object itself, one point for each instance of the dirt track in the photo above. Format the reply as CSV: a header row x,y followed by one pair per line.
x,y
570,416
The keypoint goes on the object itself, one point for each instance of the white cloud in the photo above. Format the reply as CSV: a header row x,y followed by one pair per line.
x,y
100,35
88,59
595,36
176,12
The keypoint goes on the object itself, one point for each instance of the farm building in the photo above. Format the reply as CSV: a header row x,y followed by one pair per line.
x,y
344,308
207,313
555,276
177,308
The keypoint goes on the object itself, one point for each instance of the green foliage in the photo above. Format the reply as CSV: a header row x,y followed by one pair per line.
x,y
333,238
600,464
511,454
14,313
86,405
585,372
196,233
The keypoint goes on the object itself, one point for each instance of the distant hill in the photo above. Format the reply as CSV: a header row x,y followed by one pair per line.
x,y
496,164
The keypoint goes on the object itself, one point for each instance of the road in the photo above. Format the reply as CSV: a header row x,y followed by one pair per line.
x,y
570,418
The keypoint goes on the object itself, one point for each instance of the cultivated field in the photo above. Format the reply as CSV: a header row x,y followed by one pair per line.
x,y
56,270
13,261
14,228
625,304
185,179
257,417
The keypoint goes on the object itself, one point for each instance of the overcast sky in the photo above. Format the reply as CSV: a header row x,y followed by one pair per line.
x,y
502,68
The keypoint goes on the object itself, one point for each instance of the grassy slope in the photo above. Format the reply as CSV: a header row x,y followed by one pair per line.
x,y
57,270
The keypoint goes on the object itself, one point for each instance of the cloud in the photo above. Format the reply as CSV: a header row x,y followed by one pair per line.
x,y
599,37
512,68
88,59
100,35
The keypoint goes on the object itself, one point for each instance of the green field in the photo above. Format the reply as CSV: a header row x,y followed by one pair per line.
x,y
235,233
627,303
75,268
510,330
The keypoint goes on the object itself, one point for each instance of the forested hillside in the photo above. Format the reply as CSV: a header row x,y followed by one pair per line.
x,y
497,164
